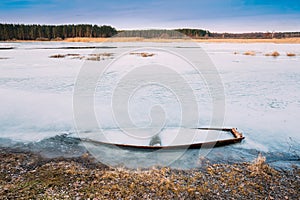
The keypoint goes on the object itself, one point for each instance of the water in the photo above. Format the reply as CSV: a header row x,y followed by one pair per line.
x,y
262,98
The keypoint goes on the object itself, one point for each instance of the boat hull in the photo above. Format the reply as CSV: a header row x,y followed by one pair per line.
x,y
238,137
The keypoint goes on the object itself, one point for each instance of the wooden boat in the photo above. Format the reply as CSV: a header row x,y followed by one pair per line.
x,y
238,137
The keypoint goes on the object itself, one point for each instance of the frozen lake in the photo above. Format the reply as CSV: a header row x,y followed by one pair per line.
x,y
261,94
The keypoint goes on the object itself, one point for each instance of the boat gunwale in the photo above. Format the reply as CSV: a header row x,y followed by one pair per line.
x,y
238,137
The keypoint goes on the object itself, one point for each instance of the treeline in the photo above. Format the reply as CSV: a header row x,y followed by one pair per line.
x,y
256,35
60,32
172,34
48,32
200,33
194,33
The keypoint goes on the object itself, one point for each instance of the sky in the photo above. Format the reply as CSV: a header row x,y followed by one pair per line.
x,y
214,15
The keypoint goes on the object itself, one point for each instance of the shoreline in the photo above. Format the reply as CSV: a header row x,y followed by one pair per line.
x,y
135,39
28,175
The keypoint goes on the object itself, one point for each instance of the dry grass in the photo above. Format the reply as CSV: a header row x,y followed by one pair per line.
x,y
274,54
260,167
250,53
278,41
93,57
114,39
28,176
138,39
73,54
102,54
83,39
124,39
99,56
291,54
57,56
143,54
257,165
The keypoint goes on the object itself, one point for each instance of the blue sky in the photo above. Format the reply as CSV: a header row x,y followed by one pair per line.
x,y
214,15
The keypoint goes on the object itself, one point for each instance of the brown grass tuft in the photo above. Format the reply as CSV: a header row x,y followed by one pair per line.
x,y
274,54
291,54
94,58
260,167
73,54
250,53
258,163
257,167
57,56
101,54
143,54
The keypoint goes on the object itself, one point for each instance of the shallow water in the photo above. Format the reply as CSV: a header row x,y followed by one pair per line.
x,y
262,98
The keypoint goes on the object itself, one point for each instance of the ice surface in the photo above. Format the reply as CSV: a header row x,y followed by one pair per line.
x,y
262,94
